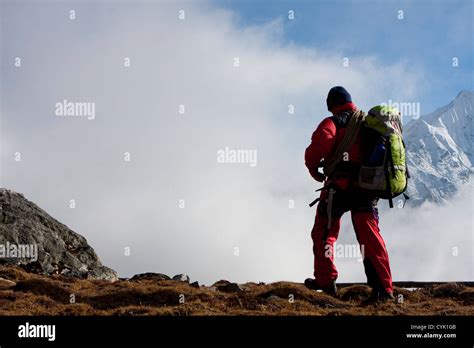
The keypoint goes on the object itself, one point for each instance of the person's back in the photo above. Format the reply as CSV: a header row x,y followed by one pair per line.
x,y
339,196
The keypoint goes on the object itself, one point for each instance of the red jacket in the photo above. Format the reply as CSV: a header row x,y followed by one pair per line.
x,y
325,140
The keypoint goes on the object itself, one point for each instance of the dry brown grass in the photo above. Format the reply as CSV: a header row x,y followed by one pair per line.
x,y
37,295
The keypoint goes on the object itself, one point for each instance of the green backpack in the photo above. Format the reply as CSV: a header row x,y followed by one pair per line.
x,y
383,169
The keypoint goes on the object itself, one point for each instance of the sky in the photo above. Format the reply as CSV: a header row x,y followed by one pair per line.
x,y
169,94
430,34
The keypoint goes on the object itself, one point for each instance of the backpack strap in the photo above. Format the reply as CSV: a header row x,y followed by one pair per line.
x,y
406,199
314,202
352,130
387,174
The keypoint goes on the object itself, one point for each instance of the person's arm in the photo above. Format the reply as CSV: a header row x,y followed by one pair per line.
x,y
322,143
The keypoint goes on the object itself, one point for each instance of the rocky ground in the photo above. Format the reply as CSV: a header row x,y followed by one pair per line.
x,y
25,293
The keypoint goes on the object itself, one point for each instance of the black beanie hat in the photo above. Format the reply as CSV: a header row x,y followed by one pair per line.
x,y
337,96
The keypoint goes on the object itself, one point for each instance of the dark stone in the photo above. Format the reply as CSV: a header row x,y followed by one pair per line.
x,y
149,276
220,283
181,278
231,287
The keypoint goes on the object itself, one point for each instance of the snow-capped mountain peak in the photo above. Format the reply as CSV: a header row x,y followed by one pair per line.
x,y
440,152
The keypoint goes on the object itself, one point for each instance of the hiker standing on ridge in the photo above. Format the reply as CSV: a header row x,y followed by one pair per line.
x,y
339,195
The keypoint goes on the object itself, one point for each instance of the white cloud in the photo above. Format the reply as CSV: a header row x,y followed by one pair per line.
x,y
173,156
434,241
426,243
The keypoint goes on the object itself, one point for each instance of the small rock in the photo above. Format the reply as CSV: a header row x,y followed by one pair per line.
x,y
6,284
181,278
273,298
195,285
149,276
231,287
220,283
103,273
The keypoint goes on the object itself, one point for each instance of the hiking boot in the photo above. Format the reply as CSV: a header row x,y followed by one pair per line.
x,y
380,296
329,289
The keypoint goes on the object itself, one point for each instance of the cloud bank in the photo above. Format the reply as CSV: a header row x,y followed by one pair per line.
x,y
181,100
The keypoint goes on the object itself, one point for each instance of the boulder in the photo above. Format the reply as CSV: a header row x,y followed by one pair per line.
x,y
35,241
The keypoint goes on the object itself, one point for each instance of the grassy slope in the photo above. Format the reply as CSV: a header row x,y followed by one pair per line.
x,y
37,295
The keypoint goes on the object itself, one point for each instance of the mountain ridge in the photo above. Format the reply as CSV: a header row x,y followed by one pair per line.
x,y
440,150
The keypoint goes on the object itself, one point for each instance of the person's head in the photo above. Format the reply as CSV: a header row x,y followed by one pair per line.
x,y
337,96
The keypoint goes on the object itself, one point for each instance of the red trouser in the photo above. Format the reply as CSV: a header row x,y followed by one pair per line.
x,y
365,220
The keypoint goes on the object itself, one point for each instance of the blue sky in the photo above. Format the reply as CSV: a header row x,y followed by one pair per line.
x,y
429,36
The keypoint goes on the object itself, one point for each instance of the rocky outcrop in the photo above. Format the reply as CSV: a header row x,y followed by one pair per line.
x,y
37,242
